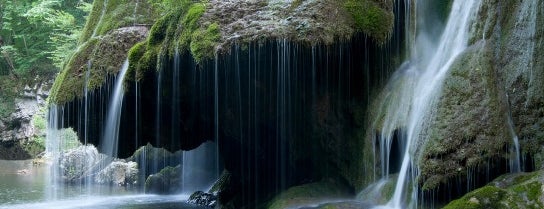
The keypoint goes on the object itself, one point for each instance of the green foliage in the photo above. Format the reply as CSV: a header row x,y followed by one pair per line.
x,y
39,122
69,139
36,37
40,34
370,18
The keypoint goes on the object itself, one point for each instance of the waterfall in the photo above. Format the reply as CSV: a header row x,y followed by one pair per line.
x,y
111,130
86,100
420,81
53,148
199,168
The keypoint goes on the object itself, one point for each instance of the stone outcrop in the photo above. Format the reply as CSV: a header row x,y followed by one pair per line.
x,y
22,133
202,198
120,173
491,97
167,181
521,190
79,163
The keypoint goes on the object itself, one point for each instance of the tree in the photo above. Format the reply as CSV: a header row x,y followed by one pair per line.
x,y
36,37
40,34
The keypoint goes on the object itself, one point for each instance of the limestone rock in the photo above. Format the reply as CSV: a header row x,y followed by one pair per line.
x,y
80,163
118,173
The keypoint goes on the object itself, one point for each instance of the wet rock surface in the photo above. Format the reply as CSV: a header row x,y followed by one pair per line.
x,y
204,199
520,190
79,163
18,133
167,181
119,173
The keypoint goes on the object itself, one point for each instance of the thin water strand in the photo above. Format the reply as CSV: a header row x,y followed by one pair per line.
x,y
110,140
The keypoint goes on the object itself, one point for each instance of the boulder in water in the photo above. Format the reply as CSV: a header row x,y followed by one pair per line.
x,y
167,181
80,162
203,198
118,173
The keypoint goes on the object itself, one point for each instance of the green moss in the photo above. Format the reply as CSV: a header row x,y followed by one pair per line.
x,y
189,23
108,15
157,32
134,54
308,193
370,18
485,197
179,28
520,190
69,83
204,42
92,21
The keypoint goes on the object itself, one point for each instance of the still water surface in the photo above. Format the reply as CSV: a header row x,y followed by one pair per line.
x,y
23,185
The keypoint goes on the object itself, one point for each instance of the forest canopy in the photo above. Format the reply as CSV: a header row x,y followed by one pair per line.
x,y
36,37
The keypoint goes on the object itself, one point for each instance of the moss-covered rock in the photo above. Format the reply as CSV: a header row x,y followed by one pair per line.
x,y
167,181
310,194
371,17
96,58
470,126
489,97
112,28
214,26
522,190
108,15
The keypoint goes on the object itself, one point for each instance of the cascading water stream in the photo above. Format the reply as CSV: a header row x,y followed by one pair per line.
x,y
423,83
110,140
53,148
86,100
199,168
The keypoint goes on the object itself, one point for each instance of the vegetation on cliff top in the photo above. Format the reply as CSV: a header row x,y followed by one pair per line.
x,y
113,27
36,37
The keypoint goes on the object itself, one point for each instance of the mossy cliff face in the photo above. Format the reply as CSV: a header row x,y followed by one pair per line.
x,y
215,26
113,27
492,93
522,190
469,127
